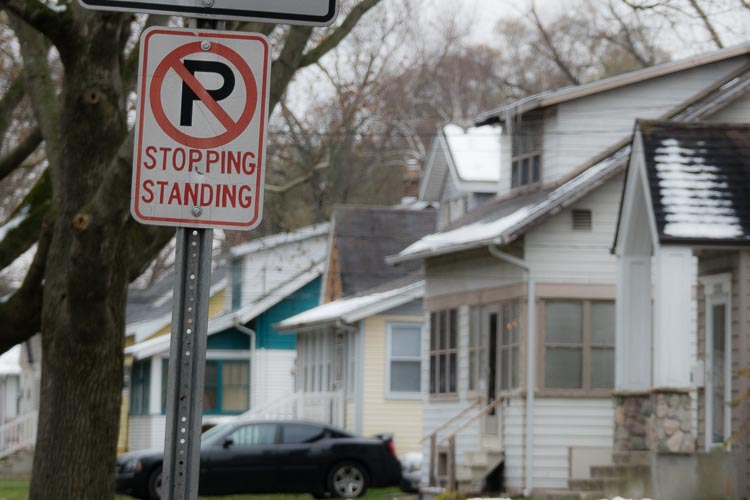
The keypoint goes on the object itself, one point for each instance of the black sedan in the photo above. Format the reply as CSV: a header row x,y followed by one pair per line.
x,y
273,457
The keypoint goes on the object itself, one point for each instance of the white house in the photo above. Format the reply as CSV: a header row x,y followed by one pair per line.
x,y
687,196
536,259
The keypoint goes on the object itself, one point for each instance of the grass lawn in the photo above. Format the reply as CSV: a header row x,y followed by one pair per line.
x,y
18,489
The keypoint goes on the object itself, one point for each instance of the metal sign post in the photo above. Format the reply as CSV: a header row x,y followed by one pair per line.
x,y
187,358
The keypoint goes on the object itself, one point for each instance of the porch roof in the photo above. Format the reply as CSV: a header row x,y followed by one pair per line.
x,y
504,220
352,309
699,181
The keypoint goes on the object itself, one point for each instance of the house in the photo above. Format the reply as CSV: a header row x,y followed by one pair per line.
x,y
358,353
686,197
536,259
248,363
462,170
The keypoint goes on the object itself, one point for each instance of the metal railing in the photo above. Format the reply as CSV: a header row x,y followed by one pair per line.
x,y
18,434
450,438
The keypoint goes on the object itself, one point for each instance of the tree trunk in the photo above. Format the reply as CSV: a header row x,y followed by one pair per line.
x,y
85,290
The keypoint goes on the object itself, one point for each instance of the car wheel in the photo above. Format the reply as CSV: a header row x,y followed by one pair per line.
x,y
347,480
154,484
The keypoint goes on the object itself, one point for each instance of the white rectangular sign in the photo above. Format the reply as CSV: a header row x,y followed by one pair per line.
x,y
200,128
307,12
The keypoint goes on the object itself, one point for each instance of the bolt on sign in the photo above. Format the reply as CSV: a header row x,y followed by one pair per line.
x,y
200,128
307,12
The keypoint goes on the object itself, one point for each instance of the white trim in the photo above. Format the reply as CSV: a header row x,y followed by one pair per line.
x,y
717,297
402,395
647,195
428,171
359,396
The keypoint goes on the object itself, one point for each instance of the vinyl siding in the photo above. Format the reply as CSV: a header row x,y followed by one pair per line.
x,y
737,112
558,254
402,418
273,375
514,432
563,423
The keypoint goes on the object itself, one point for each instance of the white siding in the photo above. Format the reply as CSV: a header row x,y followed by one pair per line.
x,y
562,423
737,112
513,439
468,272
581,129
273,375
146,432
560,255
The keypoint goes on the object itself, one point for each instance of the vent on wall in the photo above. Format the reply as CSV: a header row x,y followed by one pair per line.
x,y
582,220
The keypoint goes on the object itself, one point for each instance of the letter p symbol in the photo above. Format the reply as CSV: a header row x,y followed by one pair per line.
x,y
189,97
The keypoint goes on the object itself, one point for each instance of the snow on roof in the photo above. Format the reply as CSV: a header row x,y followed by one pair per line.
x,y
689,189
501,226
475,152
699,180
353,309
10,361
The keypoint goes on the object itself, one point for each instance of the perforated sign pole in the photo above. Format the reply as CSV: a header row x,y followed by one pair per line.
x,y
187,355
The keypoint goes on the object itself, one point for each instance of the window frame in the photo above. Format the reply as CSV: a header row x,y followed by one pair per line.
x,y
586,346
219,386
526,129
435,353
390,358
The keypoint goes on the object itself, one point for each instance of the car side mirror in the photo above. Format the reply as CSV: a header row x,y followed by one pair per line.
x,y
228,442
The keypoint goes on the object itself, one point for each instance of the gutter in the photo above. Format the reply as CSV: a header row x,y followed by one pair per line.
x,y
530,358
242,328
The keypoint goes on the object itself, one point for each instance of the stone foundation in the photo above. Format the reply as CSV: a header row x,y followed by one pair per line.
x,y
657,421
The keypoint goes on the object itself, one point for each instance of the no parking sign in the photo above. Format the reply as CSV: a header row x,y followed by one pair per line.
x,y
200,128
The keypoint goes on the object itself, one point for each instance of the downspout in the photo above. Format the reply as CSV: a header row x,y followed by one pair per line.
x,y
530,360
248,331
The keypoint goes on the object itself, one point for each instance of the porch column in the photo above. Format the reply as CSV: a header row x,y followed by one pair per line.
x,y
674,324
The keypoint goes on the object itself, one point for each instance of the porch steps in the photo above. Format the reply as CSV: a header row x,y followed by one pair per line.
x,y
477,465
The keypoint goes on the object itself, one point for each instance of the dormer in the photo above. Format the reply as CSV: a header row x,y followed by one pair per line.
x,y
462,170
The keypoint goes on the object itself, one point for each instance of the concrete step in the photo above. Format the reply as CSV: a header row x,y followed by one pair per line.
x,y
491,442
620,471
596,484
484,459
572,495
632,458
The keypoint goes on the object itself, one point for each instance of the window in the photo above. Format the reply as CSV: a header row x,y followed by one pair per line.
x,y
527,154
301,433
254,435
453,209
140,378
226,387
404,360
475,348
509,347
236,284
579,344
443,352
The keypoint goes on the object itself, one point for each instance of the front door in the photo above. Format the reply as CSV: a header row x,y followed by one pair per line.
x,y
490,322
718,364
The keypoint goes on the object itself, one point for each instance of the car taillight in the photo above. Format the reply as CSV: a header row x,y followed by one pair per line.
x,y
392,448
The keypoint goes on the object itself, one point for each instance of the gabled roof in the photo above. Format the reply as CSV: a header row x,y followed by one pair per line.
x,y
278,239
353,309
699,180
551,98
470,156
363,236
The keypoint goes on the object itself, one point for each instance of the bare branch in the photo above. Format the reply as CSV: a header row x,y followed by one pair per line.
x,y
8,105
556,58
56,26
332,41
31,213
40,87
270,188
20,315
16,157
130,66
706,23
145,243
288,62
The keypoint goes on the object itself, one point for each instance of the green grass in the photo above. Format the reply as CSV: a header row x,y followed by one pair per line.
x,y
18,489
